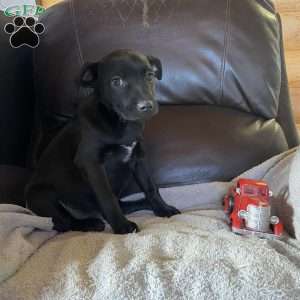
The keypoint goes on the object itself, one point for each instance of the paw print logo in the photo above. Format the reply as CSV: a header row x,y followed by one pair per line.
x,y
24,32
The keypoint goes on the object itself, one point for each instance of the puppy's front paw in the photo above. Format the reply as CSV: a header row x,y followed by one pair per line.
x,y
166,211
127,227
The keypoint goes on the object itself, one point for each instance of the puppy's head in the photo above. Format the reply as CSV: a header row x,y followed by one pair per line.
x,y
124,81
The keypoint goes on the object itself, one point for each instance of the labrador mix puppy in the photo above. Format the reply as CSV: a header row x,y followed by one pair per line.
x,y
77,176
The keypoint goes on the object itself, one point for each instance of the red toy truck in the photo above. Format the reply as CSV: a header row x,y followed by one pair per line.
x,y
248,208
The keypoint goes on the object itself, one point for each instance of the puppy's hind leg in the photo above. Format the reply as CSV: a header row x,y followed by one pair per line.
x,y
129,207
43,201
82,207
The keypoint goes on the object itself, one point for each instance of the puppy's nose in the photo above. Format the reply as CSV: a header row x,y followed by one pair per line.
x,y
145,106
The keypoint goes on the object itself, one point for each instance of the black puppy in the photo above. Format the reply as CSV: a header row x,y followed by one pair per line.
x,y
75,179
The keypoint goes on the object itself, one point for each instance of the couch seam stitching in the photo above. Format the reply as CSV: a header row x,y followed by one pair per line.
x,y
80,55
226,45
283,81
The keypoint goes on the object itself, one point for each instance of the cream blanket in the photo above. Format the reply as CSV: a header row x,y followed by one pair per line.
x,y
189,256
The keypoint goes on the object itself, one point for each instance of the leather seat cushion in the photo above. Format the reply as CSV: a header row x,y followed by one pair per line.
x,y
215,143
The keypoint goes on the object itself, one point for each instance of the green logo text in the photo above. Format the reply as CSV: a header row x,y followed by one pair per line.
x,y
24,10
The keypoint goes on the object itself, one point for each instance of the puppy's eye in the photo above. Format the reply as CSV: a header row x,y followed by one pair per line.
x,y
150,76
118,82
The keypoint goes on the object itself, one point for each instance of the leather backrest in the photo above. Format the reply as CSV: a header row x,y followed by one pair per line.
x,y
219,52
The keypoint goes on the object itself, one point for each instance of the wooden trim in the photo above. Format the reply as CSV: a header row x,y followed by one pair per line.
x,y
48,3
290,14
287,5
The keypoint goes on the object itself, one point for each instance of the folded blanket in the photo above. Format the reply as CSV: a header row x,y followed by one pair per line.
x,y
189,256
21,234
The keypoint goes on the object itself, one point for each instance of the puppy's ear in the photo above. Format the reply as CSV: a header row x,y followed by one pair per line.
x,y
89,74
156,65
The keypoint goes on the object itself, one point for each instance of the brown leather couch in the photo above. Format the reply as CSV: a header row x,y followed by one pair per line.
x,y
16,116
224,97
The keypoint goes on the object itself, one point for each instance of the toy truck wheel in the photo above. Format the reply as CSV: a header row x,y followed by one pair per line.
x,y
278,229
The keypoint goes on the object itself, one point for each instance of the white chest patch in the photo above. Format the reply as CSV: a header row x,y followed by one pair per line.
x,y
129,150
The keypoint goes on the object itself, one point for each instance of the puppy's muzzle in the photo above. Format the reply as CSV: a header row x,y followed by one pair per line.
x,y
145,106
